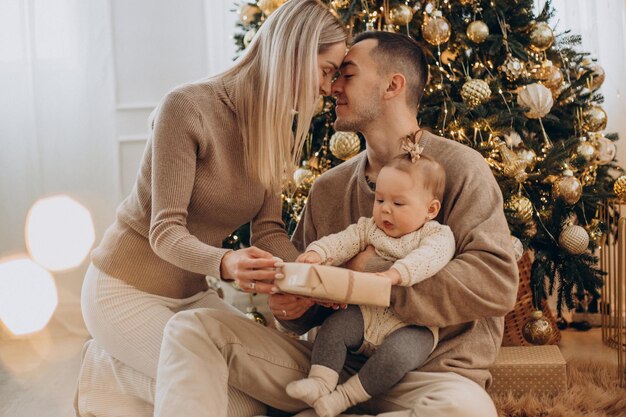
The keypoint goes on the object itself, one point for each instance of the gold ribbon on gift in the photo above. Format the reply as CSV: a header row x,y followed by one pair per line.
x,y
335,284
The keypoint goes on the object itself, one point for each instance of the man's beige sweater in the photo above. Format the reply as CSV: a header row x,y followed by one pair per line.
x,y
191,192
469,297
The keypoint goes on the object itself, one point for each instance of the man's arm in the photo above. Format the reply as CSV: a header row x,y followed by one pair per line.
x,y
481,281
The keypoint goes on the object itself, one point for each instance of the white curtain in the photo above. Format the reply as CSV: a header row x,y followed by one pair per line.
x,y
602,25
56,115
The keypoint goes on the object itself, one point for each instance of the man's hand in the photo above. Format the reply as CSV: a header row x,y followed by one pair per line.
x,y
310,257
392,274
359,262
288,306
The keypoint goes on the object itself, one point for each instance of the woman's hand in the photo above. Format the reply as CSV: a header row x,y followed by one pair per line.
x,y
288,306
252,268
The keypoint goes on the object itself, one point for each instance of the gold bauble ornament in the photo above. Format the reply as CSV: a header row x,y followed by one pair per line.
x,y
605,150
574,239
619,187
345,145
268,6
538,330
303,176
567,188
541,36
477,31
521,206
465,2
512,68
247,13
586,150
436,29
254,315
475,92
400,14
594,119
247,38
550,76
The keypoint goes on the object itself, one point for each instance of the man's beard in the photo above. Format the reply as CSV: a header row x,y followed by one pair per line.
x,y
359,120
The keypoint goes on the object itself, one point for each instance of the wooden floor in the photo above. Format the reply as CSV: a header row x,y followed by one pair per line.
x,y
37,375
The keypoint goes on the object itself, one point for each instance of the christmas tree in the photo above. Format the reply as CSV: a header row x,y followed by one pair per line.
x,y
504,84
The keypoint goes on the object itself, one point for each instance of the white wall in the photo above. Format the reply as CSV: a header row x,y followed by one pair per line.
x,y
135,51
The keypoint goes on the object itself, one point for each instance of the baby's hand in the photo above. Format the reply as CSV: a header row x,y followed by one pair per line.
x,y
310,257
392,274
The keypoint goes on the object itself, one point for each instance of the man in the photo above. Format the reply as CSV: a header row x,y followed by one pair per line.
x,y
378,91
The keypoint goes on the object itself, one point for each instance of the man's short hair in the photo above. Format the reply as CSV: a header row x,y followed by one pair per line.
x,y
396,52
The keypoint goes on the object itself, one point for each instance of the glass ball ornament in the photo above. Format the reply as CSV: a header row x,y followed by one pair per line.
x,y
574,239
303,176
567,188
605,150
594,119
247,13
586,150
538,330
436,29
253,314
522,207
541,36
400,14
551,76
477,31
475,92
597,76
619,187
269,6
344,145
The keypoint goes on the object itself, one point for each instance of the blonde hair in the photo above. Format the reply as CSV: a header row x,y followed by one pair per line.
x,y
277,76
426,170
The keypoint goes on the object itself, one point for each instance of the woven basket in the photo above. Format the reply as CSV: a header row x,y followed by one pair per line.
x,y
521,314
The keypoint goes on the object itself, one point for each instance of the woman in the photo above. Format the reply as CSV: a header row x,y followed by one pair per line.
x,y
219,152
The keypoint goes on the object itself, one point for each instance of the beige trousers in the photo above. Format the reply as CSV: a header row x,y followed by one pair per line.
x,y
119,365
205,351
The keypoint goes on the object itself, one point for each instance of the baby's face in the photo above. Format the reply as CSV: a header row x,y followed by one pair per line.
x,y
401,205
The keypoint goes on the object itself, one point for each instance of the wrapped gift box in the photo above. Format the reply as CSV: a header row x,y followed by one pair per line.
x,y
522,369
335,284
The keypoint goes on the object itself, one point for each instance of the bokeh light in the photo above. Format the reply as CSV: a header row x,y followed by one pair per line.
x,y
28,296
59,232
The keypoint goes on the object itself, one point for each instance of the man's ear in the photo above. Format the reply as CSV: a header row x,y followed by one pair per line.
x,y
396,85
433,208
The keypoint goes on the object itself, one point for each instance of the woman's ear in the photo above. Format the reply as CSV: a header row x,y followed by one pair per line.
x,y
397,84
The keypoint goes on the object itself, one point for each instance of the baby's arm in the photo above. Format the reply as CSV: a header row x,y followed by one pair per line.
x,y
337,248
436,249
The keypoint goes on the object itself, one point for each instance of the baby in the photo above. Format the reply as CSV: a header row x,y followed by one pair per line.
x,y
408,197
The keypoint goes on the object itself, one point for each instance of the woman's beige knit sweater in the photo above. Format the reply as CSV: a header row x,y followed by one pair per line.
x,y
191,192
